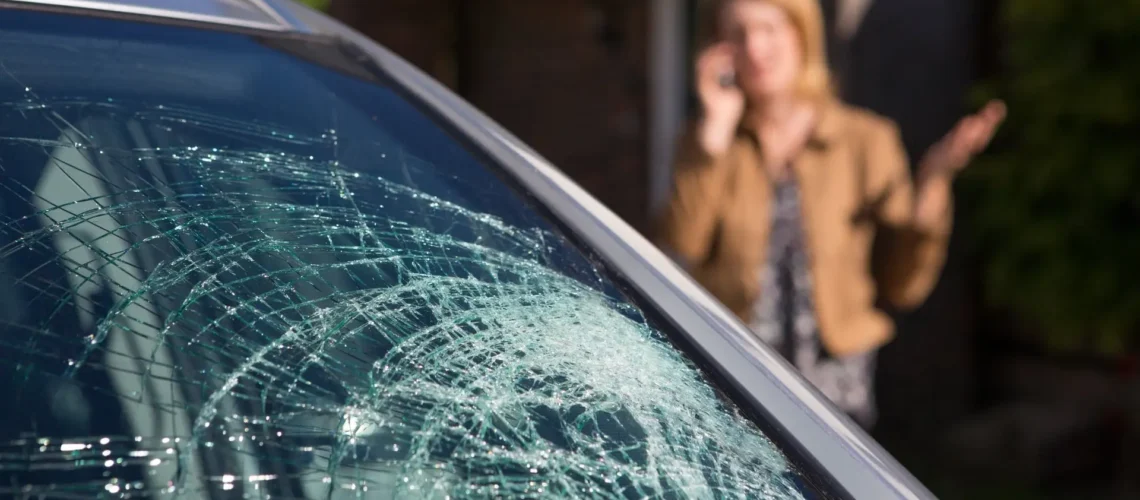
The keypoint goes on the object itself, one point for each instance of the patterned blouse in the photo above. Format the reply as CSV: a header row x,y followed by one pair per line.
x,y
785,315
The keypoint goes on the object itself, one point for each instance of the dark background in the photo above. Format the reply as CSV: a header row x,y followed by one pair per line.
x,y
1018,379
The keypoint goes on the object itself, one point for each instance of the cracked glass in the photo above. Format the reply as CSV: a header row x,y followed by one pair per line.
x,y
246,266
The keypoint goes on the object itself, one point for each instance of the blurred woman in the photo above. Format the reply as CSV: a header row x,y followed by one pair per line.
x,y
780,190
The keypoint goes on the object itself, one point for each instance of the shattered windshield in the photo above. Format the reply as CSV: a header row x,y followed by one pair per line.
x,y
226,270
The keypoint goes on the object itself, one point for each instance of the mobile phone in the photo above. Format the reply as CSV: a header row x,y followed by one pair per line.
x,y
727,79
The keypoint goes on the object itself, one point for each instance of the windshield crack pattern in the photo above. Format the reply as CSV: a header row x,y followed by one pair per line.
x,y
278,323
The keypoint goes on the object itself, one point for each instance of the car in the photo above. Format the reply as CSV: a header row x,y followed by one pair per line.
x,y
247,252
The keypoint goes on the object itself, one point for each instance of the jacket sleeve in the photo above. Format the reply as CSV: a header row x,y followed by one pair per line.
x,y
688,223
908,261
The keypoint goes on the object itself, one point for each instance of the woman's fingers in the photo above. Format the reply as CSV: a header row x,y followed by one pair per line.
x,y
969,137
986,124
715,61
995,111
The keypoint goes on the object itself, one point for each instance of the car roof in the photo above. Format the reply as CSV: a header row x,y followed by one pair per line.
x,y
257,14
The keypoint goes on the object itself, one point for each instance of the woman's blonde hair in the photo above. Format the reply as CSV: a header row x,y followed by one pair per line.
x,y
815,78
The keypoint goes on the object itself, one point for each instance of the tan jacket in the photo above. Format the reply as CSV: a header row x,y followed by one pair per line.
x,y
855,185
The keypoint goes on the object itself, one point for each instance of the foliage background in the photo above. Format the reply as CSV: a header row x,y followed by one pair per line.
x,y
322,5
1055,209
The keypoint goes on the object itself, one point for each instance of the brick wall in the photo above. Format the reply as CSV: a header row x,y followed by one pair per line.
x,y
566,76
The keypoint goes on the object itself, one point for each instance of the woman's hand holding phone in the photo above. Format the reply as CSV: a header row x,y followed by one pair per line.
x,y
722,101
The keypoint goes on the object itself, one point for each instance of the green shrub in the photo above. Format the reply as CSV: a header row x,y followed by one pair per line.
x,y
321,5
1055,207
